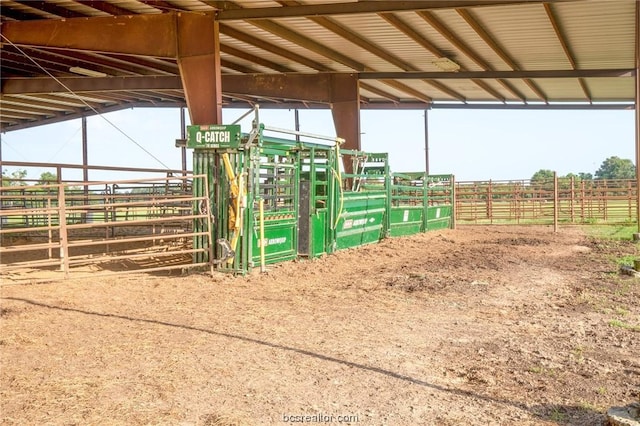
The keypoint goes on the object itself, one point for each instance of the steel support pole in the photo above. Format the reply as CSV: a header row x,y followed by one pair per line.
x,y
85,151
345,109
183,136
85,158
426,141
296,117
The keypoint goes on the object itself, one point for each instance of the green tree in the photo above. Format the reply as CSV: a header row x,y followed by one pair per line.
x,y
47,177
14,178
585,176
542,175
616,168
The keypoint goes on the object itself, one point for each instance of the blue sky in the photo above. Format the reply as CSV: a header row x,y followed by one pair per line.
x,y
472,144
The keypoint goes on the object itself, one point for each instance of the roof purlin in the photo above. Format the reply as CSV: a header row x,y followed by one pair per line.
x,y
492,43
565,46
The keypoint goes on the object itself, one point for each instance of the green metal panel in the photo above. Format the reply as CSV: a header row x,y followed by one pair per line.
x,y
362,220
212,136
438,217
280,242
318,232
405,220
293,178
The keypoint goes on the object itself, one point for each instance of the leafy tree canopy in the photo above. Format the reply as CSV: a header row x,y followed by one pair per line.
x,y
14,178
47,177
616,168
585,176
541,175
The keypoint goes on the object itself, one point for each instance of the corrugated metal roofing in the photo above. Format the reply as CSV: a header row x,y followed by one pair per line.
x,y
574,35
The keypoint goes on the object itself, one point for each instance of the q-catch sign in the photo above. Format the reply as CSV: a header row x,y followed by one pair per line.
x,y
213,136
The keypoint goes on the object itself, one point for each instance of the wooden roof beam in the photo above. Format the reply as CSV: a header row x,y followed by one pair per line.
x,y
75,101
426,44
230,50
191,38
379,92
353,37
409,90
461,75
68,60
565,46
154,66
466,50
307,43
80,113
493,44
30,101
225,63
107,7
257,42
51,8
122,34
161,5
18,15
16,106
356,8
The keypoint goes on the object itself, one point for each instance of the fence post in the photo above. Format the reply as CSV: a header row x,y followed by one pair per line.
x,y
490,202
573,198
64,242
555,202
454,208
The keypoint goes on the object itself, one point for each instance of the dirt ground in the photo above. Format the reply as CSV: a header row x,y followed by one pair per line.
x,y
477,326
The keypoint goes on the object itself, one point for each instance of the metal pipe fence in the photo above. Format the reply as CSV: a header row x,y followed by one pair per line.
x,y
112,227
550,201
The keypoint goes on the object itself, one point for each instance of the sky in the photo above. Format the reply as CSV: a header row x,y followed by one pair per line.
x,y
471,144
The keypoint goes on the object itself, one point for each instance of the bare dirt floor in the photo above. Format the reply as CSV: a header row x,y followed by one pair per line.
x,y
475,326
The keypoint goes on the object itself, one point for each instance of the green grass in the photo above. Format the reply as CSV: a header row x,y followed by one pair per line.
x,y
622,324
611,232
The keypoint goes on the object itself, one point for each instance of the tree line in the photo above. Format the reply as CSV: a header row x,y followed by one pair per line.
x,y
613,168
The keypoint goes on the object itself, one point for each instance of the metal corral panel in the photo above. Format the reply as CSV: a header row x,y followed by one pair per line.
x,y
438,217
280,241
405,220
361,220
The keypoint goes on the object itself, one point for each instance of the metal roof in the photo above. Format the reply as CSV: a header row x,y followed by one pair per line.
x,y
505,53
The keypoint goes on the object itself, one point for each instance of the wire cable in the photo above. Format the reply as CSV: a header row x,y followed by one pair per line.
x,y
83,101
64,145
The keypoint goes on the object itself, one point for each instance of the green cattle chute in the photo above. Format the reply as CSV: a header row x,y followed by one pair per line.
x,y
316,197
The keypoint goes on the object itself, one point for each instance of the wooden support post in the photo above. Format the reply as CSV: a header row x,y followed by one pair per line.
x,y
454,208
64,241
426,141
